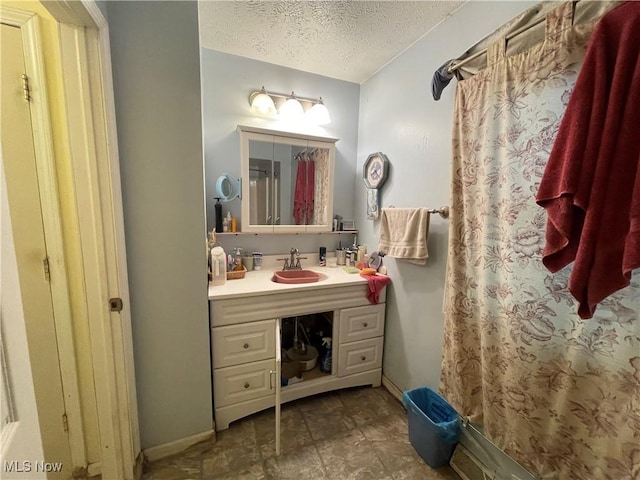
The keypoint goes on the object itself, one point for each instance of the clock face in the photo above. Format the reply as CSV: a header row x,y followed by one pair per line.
x,y
375,170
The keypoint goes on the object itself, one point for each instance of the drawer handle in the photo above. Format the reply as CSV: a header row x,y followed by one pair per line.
x,y
363,358
245,346
246,384
365,324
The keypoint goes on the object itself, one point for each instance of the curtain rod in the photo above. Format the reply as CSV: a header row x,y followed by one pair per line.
x,y
456,65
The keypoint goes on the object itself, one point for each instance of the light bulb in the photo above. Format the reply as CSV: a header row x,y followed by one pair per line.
x,y
262,104
292,109
319,114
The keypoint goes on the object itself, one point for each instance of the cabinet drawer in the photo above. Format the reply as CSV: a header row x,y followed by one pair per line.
x,y
249,342
231,311
360,323
360,356
243,382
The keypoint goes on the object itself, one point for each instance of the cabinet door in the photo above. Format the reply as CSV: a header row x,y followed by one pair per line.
x,y
243,382
288,181
360,323
278,374
248,342
357,357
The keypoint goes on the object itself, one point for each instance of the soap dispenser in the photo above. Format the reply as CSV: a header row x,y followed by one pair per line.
x,y
218,208
226,223
218,266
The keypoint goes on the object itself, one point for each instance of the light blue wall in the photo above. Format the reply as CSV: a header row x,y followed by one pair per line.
x,y
399,117
227,81
157,88
156,73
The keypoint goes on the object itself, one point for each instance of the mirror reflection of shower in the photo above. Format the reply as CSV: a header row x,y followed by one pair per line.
x,y
264,185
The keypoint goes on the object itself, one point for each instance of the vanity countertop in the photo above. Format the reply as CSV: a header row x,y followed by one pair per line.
x,y
258,282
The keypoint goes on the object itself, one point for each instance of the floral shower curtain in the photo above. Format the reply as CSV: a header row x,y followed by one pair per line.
x,y
320,157
559,394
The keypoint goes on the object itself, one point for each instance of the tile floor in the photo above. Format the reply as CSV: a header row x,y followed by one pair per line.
x,y
352,434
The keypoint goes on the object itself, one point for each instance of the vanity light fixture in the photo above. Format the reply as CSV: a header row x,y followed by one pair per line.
x,y
289,107
262,104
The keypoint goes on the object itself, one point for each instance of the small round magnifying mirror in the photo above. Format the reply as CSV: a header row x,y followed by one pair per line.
x,y
228,188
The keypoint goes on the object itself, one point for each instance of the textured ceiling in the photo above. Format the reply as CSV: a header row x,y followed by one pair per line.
x,y
348,40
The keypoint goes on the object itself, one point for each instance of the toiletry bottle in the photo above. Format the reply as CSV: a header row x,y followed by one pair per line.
x,y
218,266
237,259
257,260
326,360
225,222
322,257
234,225
218,208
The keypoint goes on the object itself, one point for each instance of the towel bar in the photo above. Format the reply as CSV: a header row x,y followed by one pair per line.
x,y
443,211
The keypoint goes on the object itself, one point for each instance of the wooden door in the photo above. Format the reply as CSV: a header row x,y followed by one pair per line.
x,y
27,233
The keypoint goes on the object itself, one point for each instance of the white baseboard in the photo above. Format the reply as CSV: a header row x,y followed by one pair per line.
x,y
167,449
393,390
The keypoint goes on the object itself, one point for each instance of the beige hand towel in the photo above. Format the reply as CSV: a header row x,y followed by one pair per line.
x,y
403,234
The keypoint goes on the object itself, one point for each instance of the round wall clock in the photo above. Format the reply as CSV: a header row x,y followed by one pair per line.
x,y
375,173
376,170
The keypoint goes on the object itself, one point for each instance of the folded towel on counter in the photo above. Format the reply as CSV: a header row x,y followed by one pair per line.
x,y
376,285
403,234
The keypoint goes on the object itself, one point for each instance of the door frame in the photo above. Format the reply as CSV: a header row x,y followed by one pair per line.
x,y
90,105
89,102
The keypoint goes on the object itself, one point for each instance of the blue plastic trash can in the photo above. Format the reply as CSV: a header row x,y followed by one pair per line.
x,y
433,425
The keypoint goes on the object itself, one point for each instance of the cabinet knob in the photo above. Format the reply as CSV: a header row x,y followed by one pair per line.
x,y
363,358
245,346
246,384
365,324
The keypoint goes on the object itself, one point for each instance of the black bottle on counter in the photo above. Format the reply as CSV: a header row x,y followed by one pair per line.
x,y
218,207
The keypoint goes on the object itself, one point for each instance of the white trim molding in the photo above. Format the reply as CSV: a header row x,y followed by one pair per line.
x,y
100,70
90,117
94,202
393,390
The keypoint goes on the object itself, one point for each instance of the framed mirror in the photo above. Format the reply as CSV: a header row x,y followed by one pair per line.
x,y
289,186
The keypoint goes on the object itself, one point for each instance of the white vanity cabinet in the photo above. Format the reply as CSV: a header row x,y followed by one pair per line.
x,y
244,356
361,338
245,342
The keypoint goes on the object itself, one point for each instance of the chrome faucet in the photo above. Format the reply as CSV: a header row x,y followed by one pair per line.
x,y
293,252
293,262
298,265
